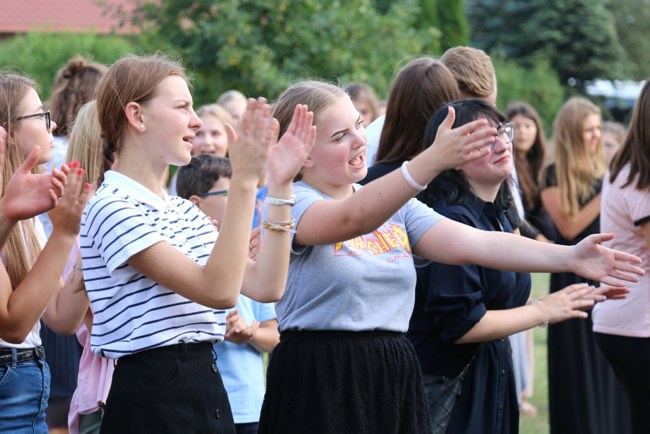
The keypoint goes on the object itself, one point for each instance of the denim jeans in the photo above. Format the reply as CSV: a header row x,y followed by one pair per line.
x,y
24,391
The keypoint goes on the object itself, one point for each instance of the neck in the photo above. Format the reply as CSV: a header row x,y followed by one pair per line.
x,y
487,193
141,169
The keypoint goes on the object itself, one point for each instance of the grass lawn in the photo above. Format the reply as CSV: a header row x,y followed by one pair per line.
x,y
538,424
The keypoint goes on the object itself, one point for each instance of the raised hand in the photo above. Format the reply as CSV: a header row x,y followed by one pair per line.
x,y
249,147
27,194
287,156
592,260
66,216
455,147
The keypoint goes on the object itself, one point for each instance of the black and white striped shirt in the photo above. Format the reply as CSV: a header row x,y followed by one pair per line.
x,y
132,312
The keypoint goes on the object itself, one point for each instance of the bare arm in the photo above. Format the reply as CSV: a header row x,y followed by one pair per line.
x,y
69,304
218,283
569,226
331,221
558,306
21,307
451,242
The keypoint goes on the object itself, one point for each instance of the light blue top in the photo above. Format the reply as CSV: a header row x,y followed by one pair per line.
x,y
242,366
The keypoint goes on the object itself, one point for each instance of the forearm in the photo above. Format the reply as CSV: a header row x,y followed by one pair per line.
x,y
266,278
6,225
498,324
227,262
265,339
66,308
29,299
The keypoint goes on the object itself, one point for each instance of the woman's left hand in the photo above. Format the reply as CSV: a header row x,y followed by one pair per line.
x,y
287,156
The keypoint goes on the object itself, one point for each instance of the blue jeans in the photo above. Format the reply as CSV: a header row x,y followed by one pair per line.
x,y
24,391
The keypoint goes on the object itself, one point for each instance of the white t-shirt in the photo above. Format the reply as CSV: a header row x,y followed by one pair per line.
x,y
373,133
131,312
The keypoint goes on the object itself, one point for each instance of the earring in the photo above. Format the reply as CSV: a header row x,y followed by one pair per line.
x,y
142,126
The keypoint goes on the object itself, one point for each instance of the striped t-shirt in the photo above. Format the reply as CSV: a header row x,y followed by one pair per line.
x,y
132,312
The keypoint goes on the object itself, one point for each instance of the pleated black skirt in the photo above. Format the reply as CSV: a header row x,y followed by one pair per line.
x,y
344,382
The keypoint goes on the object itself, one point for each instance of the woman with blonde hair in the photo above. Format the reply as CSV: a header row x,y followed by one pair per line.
x,y
583,393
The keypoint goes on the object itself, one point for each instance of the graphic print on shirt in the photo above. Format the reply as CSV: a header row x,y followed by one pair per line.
x,y
386,239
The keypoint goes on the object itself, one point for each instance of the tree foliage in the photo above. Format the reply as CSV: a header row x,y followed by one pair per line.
x,y
40,55
632,19
577,37
260,47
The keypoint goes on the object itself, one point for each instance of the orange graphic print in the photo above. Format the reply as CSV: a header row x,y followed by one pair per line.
x,y
383,240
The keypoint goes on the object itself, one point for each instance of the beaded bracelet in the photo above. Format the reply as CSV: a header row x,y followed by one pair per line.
x,y
534,302
280,201
409,179
279,226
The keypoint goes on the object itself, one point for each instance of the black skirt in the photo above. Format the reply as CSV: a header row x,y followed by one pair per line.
x,y
344,382
173,389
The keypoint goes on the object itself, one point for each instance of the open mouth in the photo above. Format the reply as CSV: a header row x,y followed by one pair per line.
x,y
358,162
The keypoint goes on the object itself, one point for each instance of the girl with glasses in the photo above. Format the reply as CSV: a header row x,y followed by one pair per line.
x,y
30,272
343,363
464,314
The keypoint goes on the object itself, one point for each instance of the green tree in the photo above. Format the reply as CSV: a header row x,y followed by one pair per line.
x,y
40,55
259,48
577,37
632,19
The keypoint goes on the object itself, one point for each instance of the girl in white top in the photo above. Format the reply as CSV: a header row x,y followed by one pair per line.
x,y
30,274
623,327
157,276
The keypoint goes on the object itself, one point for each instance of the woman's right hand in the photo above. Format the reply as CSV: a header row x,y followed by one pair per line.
x,y
66,215
454,147
570,302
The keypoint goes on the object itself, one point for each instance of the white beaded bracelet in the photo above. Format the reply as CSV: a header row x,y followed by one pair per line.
x,y
409,179
280,201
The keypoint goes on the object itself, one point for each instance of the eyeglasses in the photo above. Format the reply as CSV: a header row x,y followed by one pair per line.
x,y
45,115
505,132
223,193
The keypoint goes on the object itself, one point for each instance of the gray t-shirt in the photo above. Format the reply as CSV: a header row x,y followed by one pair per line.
x,y
367,283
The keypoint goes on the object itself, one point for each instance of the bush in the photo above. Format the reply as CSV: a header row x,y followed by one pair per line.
x,y
41,55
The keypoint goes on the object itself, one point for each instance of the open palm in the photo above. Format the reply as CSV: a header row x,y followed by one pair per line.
x,y
287,156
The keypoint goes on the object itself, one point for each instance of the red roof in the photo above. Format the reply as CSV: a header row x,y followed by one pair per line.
x,y
22,16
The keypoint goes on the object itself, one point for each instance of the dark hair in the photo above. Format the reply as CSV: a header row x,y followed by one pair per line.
x,y
635,149
451,185
529,165
418,90
74,86
200,174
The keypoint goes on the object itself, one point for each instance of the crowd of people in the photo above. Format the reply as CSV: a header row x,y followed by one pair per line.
x,y
381,256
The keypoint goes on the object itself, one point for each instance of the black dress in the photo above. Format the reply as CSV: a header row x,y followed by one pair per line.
x,y
450,300
584,395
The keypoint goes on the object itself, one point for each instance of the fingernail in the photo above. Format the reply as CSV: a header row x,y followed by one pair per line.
x,y
73,164
81,172
86,186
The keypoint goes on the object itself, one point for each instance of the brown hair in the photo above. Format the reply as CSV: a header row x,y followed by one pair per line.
x,y
418,90
473,71
529,165
576,167
317,95
130,79
22,246
74,86
364,93
635,149
216,111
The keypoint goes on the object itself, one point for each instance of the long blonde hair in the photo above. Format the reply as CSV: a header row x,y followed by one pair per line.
x,y
576,167
22,246
86,145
